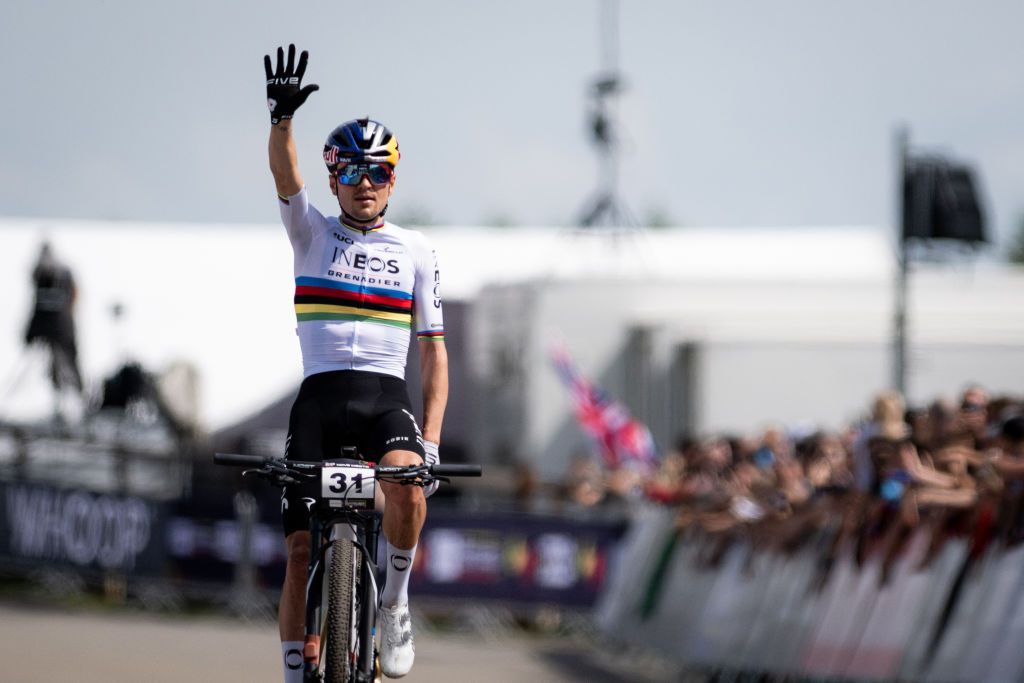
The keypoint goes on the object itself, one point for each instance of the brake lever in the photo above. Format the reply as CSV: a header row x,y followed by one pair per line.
x,y
282,470
419,477
261,472
407,475
278,474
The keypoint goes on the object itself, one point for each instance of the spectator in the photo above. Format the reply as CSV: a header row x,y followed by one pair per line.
x,y
973,415
872,484
1008,455
525,490
886,423
52,322
584,483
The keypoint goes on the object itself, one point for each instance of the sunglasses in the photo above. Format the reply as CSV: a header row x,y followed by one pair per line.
x,y
352,174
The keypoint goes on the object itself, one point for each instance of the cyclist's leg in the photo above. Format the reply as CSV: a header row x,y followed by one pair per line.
x,y
404,511
405,506
305,442
396,435
291,619
395,438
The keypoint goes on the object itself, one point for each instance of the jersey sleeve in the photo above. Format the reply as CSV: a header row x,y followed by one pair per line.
x,y
429,321
299,218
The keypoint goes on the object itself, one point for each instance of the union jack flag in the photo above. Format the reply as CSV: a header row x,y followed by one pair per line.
x,y
620,439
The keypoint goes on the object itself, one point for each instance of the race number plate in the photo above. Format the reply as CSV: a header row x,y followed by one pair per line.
x,y
350,481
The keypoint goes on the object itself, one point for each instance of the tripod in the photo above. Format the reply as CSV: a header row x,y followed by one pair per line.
x,y
63,373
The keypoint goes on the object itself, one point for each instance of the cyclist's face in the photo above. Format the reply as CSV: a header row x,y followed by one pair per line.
x,y
365,200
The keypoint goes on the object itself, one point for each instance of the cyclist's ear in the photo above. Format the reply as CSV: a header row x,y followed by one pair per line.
x,y
334,184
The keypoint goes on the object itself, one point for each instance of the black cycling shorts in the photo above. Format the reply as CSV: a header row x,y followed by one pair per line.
x,y
346,408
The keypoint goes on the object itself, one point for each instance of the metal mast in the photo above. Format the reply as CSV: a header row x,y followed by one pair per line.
x,y
606,209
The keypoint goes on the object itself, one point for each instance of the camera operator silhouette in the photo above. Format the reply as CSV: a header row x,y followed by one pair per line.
x,y
52,323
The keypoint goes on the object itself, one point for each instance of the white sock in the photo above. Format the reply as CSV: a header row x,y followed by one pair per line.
x,y
396,585
291,657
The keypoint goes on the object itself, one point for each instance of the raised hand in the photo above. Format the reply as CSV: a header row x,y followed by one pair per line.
x,y
285,93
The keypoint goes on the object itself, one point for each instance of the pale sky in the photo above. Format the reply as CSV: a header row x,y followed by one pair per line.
x,y
738,113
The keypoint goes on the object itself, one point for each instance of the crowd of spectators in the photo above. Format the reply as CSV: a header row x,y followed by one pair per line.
x,y
957,467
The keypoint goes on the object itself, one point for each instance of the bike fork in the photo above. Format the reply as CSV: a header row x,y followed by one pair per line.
x,y
314,604
366,540
368,608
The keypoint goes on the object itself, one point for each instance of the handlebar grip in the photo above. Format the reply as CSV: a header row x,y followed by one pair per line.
x,y
457,470
238,459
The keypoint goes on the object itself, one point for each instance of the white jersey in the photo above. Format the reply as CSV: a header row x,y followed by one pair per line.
x,y
358,293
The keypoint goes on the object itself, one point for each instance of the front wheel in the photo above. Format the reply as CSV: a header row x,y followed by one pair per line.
x,y
341,641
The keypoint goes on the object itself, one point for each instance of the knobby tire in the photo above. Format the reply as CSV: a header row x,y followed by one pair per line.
x,y
341,612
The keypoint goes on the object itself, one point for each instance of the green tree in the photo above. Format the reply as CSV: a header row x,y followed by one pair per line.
x,y
659,217
1015,254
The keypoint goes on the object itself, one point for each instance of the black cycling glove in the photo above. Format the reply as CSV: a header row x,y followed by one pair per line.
x,y
285,93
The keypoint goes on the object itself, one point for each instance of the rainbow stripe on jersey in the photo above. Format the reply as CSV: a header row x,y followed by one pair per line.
x,y
321,299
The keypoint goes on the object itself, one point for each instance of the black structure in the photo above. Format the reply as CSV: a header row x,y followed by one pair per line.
x,y
52,323
606,209
938,201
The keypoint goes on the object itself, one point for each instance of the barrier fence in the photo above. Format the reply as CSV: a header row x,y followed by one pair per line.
x,y
513,558
937,613
945,615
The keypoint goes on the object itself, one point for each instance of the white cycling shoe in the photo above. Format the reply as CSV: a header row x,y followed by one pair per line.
x,y
396,648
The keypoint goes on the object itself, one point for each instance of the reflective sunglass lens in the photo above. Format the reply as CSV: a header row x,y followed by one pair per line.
x,y
353,173
379,174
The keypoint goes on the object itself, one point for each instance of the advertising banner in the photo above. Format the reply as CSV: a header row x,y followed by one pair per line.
x,y
80,529
514,558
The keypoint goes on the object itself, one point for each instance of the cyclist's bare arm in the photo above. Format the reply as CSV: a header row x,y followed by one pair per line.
x,y
285,94
284,162
434,375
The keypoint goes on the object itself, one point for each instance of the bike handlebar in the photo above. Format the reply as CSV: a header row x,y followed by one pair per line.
x,y
239,460
457,470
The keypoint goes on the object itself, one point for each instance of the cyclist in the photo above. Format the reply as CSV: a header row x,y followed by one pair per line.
x,y
361,284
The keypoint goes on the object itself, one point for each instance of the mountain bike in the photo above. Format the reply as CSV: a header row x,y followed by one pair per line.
x,y
341,592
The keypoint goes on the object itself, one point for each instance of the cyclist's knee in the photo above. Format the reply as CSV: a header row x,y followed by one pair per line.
x,y
399,494
400,458
407,498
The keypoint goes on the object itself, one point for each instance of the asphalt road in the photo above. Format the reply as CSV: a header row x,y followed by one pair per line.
x,y
97,647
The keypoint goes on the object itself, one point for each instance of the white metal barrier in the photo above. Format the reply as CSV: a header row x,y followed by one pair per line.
x,y
768,612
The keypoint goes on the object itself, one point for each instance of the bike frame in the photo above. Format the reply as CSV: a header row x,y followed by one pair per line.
x,y
363,529
332,520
